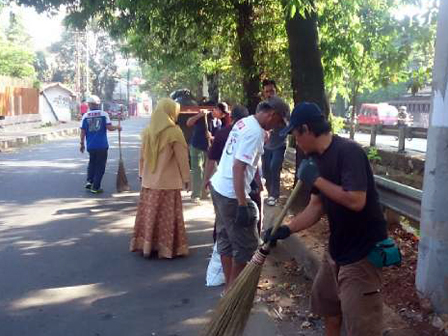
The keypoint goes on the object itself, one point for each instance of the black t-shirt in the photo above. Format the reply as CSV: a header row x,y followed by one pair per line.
x,y
198,138
352,234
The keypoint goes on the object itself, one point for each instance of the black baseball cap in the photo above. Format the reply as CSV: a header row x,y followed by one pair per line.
x,y
303,113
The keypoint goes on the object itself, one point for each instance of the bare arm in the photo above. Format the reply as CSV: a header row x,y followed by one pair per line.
x,y
308,217
82,139
209,167
111,127
239,169
192,120
353,200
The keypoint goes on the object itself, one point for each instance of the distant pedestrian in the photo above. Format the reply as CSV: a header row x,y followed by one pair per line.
x,y
275,146
84,107
164,171
94,126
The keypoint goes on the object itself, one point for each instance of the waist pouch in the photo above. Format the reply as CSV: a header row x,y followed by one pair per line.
x,y
385,253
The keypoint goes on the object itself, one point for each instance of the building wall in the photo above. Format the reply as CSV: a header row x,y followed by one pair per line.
x,y
60,100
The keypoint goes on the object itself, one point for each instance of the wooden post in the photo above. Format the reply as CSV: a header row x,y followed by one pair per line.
x,y
373,133
401,138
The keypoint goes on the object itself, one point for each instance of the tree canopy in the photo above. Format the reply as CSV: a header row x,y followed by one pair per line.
x,y
236,43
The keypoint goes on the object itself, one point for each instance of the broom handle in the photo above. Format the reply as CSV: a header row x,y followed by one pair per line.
x,y
279,219
119,134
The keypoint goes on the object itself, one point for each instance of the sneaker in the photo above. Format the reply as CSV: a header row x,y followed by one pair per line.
x,y
96,191
271,201
88,185
196,200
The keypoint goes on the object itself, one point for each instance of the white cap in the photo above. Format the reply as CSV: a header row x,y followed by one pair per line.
x,y
93,100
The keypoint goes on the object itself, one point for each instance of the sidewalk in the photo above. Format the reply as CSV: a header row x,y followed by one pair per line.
x,y
14,137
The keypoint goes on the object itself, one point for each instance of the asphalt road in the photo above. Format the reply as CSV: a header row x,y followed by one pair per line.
x,y
65,268
418,145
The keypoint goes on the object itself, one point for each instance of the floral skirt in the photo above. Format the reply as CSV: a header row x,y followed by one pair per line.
x,y
159,225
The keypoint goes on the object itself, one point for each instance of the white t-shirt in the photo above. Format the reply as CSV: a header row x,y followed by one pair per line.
x,y
245,143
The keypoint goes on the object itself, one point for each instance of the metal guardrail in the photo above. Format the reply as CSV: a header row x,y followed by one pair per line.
x,y
400,198
402,132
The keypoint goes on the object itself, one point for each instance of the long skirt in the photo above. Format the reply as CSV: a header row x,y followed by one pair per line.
x,y
159,225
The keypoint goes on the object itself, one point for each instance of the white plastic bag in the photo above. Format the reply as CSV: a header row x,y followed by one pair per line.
x,y
215,273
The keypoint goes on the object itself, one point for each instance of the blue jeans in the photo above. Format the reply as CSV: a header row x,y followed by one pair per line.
x,y
272,163
96,167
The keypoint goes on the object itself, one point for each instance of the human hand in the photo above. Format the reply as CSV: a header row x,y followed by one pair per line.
x,y
308,172
82,148
282,232
119,128
187,186
242,216
206,184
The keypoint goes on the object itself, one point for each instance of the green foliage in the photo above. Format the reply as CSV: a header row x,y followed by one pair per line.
x,y
16,59
363,45
102,58
373,155
337,123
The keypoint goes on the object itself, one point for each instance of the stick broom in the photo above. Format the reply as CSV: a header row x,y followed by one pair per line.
x,y
122,180
233,310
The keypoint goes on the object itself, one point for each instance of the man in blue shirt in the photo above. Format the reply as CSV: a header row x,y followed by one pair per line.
x,y
94,126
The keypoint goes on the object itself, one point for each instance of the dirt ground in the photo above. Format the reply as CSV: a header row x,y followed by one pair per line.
x,y
399,282
285,288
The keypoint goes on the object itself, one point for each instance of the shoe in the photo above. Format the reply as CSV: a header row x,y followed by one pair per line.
x,y
96,191
196,200
271,201
88,185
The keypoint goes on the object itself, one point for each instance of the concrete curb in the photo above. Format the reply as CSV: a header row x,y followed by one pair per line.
x,y
38,138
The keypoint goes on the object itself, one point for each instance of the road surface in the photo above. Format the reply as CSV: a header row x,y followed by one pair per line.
x,y
64,259
418,145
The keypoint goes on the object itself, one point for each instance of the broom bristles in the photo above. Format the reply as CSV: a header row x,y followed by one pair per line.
x,y
233,310
122,180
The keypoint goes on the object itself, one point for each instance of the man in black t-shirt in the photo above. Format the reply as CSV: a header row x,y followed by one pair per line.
x,y
347,287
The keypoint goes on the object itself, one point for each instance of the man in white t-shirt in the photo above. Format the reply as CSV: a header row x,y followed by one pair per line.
x,y
236,213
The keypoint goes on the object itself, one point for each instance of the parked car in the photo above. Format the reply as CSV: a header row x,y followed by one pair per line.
x,y
378,114
115,110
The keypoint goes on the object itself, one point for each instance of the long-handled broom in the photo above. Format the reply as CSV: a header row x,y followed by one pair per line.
x,y
122,180
233,310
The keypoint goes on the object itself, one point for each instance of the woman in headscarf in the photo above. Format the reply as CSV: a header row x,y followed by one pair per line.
x,y
164,171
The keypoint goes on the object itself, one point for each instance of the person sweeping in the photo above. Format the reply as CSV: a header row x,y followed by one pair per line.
x,y
236,213
347,288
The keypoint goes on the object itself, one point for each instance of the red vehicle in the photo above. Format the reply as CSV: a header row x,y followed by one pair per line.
x,y
378,114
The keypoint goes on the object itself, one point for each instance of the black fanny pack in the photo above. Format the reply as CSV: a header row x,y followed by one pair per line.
x,y
385,253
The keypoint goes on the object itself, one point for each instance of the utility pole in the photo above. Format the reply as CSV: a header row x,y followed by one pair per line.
x,y
87,64
432,267
78,69
128,85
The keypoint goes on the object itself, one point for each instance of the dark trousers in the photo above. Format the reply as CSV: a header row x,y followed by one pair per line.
x,y
96,167
272,163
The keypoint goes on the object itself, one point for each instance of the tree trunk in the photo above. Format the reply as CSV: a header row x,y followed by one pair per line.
x,y
213,87
307,74
247,46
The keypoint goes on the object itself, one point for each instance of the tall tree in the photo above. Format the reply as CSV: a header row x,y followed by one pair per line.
x,y
307,74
